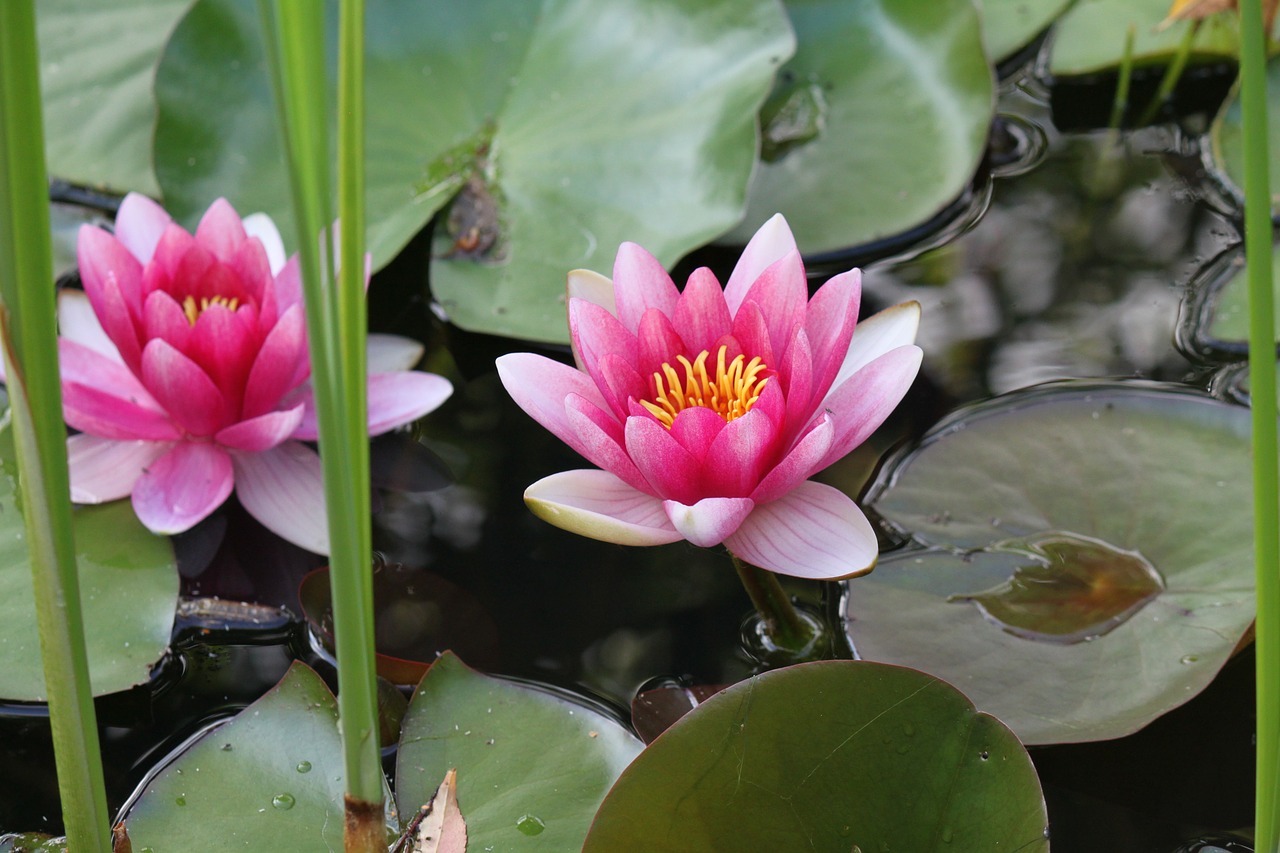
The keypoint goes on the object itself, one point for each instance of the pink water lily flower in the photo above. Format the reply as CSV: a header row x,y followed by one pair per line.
x,y
709,409
185,370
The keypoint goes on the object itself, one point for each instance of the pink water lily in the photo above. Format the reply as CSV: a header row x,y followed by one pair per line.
x,y
709,409
185,370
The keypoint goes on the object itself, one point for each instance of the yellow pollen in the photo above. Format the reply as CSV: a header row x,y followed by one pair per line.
x,y
730,392
193,309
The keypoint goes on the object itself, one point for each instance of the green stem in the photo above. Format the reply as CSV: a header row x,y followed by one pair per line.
x,y
30,351
1172,74
1262,385
782,622
1120,105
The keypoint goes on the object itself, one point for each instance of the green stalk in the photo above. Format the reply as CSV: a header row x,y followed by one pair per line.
x,y
334,302
27,324
1262,389
781,621
1120,105
1172,74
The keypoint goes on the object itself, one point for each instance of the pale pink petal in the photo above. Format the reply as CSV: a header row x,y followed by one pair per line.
x,y
139,224
181,488
710,520
78,322
540,386
276,369
862,403
801,462
598,505
388,353
829,322
221,230
602,441
772,241
873,337
284,489
102,397
103,469
184,390
288,289
815,531
263,432
261,226
701,316
672,471
641,283
593,287
402,397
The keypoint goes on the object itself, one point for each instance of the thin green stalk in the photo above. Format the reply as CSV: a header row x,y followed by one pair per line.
x,y
28,328
334,301
1172,74
1262,384
1120,105
785,627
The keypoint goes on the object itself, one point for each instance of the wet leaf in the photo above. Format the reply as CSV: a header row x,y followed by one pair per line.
x,y
1117,486
1090,37
832,756
653,711
532,765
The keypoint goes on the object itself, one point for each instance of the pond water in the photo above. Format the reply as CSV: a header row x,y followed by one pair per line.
x,y
1069,260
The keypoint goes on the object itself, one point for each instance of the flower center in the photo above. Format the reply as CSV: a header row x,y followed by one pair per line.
x,y
193,309
730,392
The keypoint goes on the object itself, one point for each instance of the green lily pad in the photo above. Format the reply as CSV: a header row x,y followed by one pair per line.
x,y
124,568
1081,537
271,778
1090,37
532,766
97,68
832,756
1226,140
902,96
572,124
1010,25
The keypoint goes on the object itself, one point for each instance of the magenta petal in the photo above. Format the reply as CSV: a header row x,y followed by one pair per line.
x,y
672,472
599,505
862,403
139,224
182,487
710,520
619,382
184,390
402,397
701,316
221,231
164,318
752,333
659,344
102,397
772,241
261,433
597,334
829,323
641,283
737,458
602,442
276,368
540,386
815,531
796,371
695,429
103,469
284,489
800,463
782,292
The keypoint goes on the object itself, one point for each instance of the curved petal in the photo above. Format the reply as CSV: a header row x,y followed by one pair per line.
x,y
102,397
801,462
184,390
78,323
815,531
701,316
276,369
710,520
861,404
402,397
388,353
873,337
263,432
671,470
139,224
103,469
284,489
181,488
221,230
737,458
602,441
782,292
641,283
264,228
593,287
597,334
829,322
540,386
598,505
112,279
771,241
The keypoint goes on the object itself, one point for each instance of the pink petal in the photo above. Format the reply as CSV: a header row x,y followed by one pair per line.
x,y
873,337
619,382
103,469
163,318
796,373
288,289
772,241
595,334
752,332
710,520
641,283
77,322
184,390
221,231
701,316
862,403
139,224
250,263
102,397
782,292
659,344
598,505
388,353
402,397
262,227
829,323
737,458
671,470
276,369
815,531
602,441
112,280
540,386
225,344
800,463
171,249
261,433
284,489
182,487
695,429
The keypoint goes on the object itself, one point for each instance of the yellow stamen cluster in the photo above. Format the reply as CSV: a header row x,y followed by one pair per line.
x,y
193,309
730,393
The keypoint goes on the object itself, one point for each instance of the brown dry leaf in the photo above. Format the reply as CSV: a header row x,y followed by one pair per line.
x,y
440,826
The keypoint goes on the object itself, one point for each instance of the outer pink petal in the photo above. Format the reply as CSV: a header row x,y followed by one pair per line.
x,y
710,520
772,241
800,463
701,316
182,487
672,471
602,441
284,489
596,334
112,279
599,505
862,403
829,322
782,292
402,397
640,283
184,390
815,531
77,322
221,230
261,433
102,397
103,469
139,224
540,386
886,330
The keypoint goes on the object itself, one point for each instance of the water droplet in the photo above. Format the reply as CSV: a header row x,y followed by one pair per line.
x,y
530,824
1190,658
947,835
182,801
147,850
304,767
226,747
984,755
846,831
284,802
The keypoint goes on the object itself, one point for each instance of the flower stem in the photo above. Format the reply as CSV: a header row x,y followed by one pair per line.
x,y
783,624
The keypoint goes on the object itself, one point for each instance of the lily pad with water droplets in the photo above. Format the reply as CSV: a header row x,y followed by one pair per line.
x,y
828,757
1088,562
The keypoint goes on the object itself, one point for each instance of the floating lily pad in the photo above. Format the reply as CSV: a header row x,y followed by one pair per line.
x,y
1226,140
832,756
1090,37
902,97
1010,25
271,778
572,124
532,766
1091,556
124,568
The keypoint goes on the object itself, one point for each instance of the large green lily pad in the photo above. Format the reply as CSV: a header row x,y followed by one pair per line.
x,y
876,125
832,756
1010,25
1226,140
532,766
569,125
124,569
270,779
1090,559
1090,37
